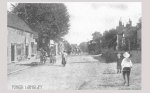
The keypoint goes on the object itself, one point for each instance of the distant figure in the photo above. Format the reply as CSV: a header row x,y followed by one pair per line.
x,y
64,58
126,67
42,56
52,55
119,60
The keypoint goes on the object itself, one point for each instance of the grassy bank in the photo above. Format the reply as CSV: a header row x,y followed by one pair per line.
x,y
110,57
108,79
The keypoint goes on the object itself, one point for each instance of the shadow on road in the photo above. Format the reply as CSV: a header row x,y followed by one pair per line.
x,y
29,64
55,65
110,73
84,62
109,85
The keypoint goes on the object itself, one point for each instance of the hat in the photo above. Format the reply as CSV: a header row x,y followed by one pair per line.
x,y
126,55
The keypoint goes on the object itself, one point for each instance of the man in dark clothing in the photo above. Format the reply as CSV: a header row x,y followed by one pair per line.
x,y
119,60
42,56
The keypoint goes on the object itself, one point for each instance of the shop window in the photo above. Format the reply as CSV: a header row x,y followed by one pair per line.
x,y
18,49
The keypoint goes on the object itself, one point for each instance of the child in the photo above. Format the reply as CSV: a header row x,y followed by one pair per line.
x,y
126,66
119,60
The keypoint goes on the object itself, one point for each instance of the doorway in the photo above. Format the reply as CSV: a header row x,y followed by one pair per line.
x,y
12,52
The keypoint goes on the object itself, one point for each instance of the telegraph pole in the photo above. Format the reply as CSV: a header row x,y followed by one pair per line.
x,y
117,43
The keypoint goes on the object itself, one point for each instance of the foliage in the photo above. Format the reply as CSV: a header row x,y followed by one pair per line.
x,y
111,37
83,46
96,36
67,46
139,24
107,40
109,57
49,19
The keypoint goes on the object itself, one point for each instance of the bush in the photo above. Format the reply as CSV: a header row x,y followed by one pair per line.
x,y
109,57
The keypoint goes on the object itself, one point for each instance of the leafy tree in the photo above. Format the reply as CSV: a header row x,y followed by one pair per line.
x,y
67,46
139,24
96,35
50,20
110,38
91,45
139,29
83,46
97,38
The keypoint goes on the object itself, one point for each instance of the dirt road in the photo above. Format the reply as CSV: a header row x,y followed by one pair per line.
x,y
81,72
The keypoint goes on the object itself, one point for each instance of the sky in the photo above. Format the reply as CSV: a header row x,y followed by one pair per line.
x,y
86,18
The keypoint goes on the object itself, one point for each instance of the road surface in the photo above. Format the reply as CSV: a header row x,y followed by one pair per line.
x,y
81,72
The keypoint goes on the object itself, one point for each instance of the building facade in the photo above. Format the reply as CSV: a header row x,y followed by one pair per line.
x,y
128,37
120,29
20,42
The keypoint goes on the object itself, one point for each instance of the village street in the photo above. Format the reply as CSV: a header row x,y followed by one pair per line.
x,y
81,72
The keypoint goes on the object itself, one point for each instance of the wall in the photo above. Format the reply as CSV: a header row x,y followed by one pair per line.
x,y
29,39
14,37
17,38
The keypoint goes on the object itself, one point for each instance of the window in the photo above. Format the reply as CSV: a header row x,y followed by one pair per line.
x,y
30,35
18,49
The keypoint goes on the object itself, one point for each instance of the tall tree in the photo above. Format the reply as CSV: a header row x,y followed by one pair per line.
x,y
96,35
83,46
97,38
109,37
139,24
51,20
67,46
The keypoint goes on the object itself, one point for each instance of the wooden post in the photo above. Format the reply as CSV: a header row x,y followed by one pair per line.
x,y
129,44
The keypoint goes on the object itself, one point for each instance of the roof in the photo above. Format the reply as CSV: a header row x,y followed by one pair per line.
x,y
120,29
14,21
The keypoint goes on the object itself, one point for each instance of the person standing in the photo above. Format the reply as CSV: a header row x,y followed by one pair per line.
x,y
41,55
51,54
119,60
126,67
44,56
64,58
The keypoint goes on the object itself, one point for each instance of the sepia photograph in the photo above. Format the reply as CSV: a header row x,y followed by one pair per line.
x,y
74,46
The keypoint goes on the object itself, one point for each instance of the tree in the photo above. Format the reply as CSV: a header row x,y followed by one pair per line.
x,y
97,38
50,20
91,45
96,35
138,32
67,46
83,46
139,24
110,38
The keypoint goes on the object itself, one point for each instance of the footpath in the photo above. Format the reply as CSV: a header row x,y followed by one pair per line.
x,y
33,62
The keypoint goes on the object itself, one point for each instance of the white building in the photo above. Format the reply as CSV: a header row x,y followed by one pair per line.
x,y
20,42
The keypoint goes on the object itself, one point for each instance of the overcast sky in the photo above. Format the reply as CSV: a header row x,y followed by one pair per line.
x,y
86,18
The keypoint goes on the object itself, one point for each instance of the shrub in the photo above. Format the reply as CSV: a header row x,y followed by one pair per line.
x,y
109,57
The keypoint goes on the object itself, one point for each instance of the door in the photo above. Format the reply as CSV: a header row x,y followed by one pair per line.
x,y
12,52
26,51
